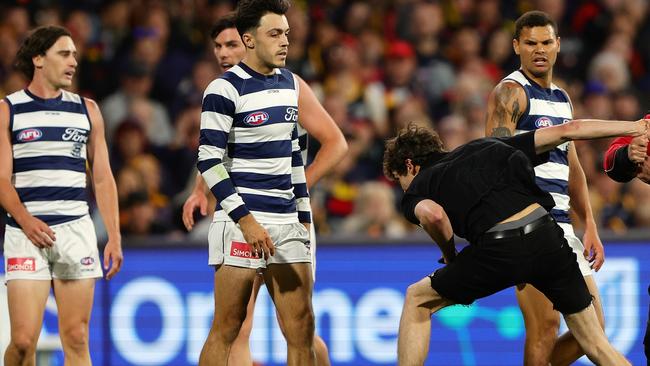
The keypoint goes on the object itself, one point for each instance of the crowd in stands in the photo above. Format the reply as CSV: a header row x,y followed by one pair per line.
x,y
375,65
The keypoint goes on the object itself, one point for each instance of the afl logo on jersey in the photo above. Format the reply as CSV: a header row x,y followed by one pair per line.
x,y
543,122
256,118
86,261
30,134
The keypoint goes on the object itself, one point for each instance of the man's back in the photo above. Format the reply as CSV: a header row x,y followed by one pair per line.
x,y
481,183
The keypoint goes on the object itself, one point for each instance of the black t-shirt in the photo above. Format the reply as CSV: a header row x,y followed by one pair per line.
x,y
480,183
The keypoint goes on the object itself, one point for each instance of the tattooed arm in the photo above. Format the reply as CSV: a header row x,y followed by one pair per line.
x,y
506,104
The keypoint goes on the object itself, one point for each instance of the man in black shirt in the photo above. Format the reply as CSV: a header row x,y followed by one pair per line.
x,y
485,191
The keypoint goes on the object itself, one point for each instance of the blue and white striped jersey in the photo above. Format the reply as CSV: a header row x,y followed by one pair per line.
x,y
548,107
49,138
249,153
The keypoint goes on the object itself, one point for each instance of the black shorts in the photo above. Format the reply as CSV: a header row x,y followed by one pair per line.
x,y
542,258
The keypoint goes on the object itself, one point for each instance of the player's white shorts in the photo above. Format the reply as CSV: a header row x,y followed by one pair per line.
x,y
73,256
578,248
312,245
227,245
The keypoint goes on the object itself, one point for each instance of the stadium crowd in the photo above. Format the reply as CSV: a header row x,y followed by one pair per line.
x,y
374,64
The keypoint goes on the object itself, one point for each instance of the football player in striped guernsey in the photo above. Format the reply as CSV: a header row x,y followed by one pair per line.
x,y
250,158
525,100
47,137
229,50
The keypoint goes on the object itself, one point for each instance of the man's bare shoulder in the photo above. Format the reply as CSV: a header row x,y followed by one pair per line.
x,y
507,89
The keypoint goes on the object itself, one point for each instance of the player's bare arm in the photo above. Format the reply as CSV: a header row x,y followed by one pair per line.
x,y
197,199
318,123
583,129
40,234
105,190
435,222
579,195
506,103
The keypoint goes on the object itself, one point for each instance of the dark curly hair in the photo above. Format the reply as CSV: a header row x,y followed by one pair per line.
x,y
249,12
412,142
532,19
37,43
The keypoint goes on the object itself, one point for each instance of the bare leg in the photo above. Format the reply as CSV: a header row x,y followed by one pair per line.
x,y
290,287
542,324
320,347
567,350
590,335
232,291
74,300
240,352
322,353
26,300
415,324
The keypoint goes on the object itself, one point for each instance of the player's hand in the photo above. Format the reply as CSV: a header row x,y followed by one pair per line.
x,y
113,258
594,251
257,236
196,199
644,173
637,149
38,232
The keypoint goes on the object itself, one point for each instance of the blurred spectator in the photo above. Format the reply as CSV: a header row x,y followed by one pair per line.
x,y
130,141
626,105
382,97
135,86
138,217
190,90
374,213
610,69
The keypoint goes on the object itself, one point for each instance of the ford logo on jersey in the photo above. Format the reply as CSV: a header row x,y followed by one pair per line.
x,y
543,122
256,118
30,134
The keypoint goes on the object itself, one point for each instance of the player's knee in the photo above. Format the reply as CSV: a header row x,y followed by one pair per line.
x,y
545,329
415,293
299,331
228,327
75,338
24,344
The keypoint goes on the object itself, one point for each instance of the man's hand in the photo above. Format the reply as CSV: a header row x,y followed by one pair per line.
x,y
257,236
38,232
196,199
644,173
637,149
113,258
594,251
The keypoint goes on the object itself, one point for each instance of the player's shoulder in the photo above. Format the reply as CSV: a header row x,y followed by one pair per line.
x,y
226,84
508,89
90,103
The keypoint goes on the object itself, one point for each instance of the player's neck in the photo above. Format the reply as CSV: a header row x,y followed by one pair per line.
x,y
43,89
257,65
544,81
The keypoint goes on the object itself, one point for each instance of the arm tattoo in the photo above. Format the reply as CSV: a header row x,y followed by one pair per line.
x,y
501,132
515,112
504,96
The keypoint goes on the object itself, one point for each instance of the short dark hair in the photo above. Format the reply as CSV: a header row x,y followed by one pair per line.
x,y
412,142
534,18
249,12
225,22
37,43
